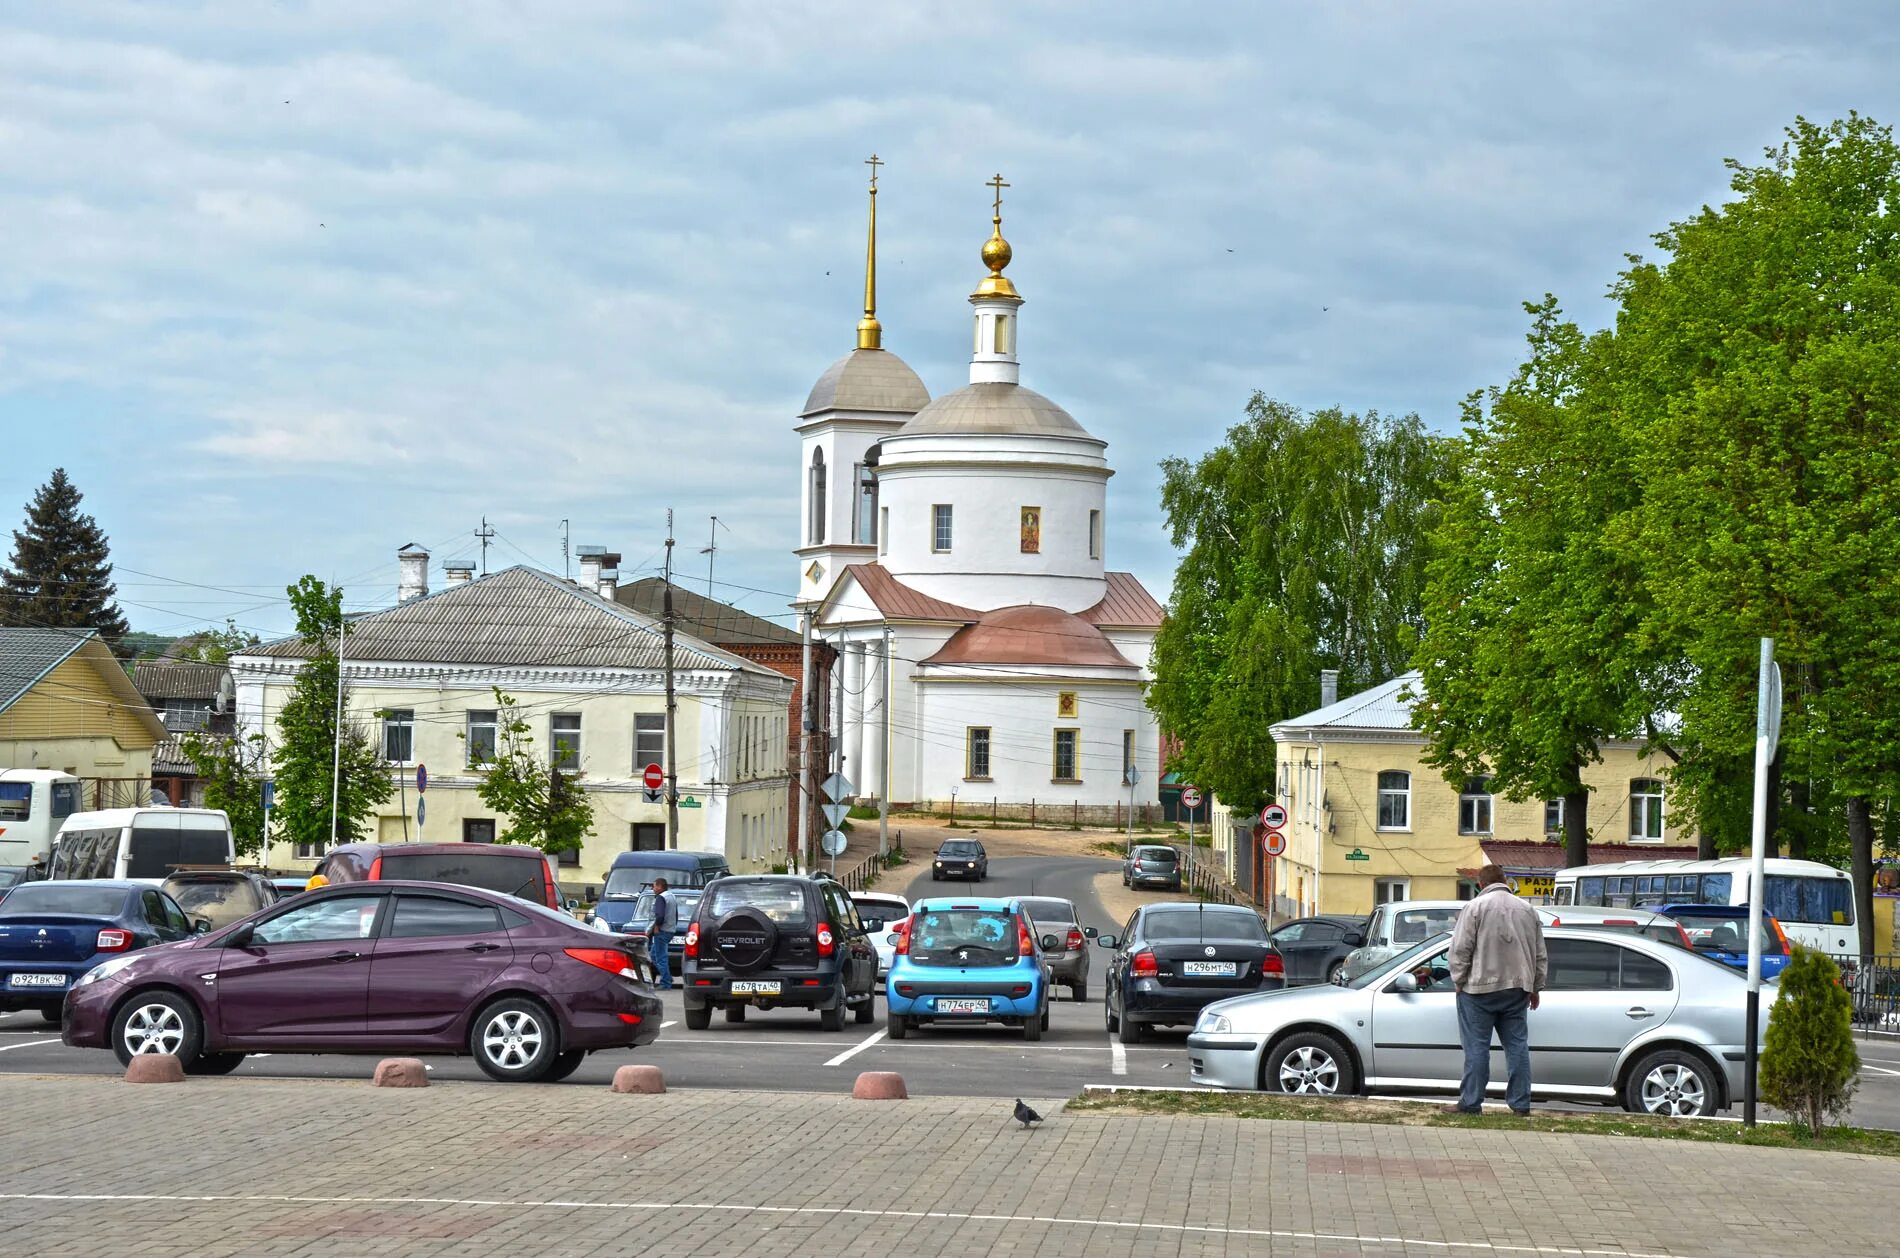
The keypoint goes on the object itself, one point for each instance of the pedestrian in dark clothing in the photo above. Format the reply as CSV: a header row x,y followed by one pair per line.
x,y
1499,963
660,934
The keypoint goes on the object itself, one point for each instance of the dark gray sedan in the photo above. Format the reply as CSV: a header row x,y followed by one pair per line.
x,y
1315,948
1068,957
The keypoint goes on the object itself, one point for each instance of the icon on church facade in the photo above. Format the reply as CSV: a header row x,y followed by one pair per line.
x,y
1032,530
1065,704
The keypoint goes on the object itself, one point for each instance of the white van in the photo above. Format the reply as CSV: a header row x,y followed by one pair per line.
x,y
1813,902
143,844
33,803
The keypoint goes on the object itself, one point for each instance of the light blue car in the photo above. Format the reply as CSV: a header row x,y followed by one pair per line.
x,y
965,961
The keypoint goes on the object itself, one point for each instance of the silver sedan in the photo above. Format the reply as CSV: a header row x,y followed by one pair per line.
x,y
1624,1019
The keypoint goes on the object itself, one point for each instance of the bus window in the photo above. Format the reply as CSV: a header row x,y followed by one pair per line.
x,y
1716,888
16,802
1589,891
65,799
1824,901
75,856
1563,895
1681,885
104,855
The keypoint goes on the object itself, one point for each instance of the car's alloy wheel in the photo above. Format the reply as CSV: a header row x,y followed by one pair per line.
x,y
514,1041
1109,1021
1673,1085
154,1028
1309,1064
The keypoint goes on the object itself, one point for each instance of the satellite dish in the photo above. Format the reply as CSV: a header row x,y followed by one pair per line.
x,y
227,694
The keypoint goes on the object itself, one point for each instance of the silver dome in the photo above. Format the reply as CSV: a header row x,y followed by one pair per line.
x,y
994,408
868,380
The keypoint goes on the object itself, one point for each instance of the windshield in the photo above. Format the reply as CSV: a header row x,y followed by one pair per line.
x,y
1412,925
506,872
1404,960
877,914
1209,924
37,898
217,900
1048,912
783,902
684,902
963,937
155,853
960,847
630,880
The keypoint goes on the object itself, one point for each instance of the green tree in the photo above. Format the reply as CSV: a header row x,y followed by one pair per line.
x,y
545,806
1760,395
60,575
1527,661
234,769
1808,1063
307,732
1303,539
215,646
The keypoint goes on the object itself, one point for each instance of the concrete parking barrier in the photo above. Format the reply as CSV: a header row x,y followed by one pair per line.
x,y
155,1068
880,1085
401,1072
645,1080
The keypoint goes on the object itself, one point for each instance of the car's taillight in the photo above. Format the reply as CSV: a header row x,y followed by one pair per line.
x,y
691,947
825,940
376,869
902,946
1272,964
1142,964
1074,940
113,941
1780,934
612,960
1025,942
1686,941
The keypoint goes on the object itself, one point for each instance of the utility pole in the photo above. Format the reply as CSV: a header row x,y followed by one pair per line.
x,y
567,570
672,705
482,535
802,796
336,751
884,752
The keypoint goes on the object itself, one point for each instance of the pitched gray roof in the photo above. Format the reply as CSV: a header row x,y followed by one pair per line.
x,y
518,616
705,618
26,655
167,678
1383,708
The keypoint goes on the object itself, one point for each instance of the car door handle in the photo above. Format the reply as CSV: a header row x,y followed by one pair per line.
x,y
344,956
483,947
1638,1012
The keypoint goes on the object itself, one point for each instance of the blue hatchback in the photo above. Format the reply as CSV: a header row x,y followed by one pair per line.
x,y
1720,933
966,961
51,933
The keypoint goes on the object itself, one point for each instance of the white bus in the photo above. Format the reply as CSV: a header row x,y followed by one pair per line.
x,y
144,844
1813,902
33,803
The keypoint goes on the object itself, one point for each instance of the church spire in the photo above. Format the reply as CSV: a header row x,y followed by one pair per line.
x,y
870,333
995,302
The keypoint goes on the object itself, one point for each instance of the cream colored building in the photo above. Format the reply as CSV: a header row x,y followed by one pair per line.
x,y
1370,821
67,704
586,674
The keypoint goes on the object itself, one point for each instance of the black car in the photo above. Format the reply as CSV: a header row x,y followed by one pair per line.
x,y
1314,948
1172,960
761,941
960,858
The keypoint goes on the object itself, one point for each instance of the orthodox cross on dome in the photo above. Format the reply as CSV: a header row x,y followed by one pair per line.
x,y
870,333
996,182
996,250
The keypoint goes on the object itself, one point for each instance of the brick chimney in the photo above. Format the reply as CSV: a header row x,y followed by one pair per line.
x,y
592,561
457,572
1328,687
413,560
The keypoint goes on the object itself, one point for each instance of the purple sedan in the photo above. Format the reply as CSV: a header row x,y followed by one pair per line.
x,y
377,967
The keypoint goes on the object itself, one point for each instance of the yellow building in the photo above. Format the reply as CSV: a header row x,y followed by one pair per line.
x,y
67,704
586,674
1370,821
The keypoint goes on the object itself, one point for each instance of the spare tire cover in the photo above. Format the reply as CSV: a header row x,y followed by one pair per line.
x,y
744,939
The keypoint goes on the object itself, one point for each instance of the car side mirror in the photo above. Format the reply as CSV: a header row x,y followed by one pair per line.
x,y
893,939
571,904
1405,983
1108,941
200,925
1356,939
1088,932
240,938
1050,942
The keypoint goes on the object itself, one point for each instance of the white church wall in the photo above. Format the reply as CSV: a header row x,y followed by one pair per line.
x,y
1022,718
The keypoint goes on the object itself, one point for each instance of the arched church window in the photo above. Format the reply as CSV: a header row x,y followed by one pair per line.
x,y
817,497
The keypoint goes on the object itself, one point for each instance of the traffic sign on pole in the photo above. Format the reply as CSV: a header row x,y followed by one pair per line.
x,y
422,812
653,777
1273,843
422,778
833,843
1191,798
837,786
1273,817
835,813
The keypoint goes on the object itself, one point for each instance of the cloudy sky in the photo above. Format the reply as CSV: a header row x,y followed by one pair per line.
x,y
287,284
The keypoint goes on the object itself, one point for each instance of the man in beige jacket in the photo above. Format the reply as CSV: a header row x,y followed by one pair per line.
x,y
1499,964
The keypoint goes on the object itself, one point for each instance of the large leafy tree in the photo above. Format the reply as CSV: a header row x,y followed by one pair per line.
x,y
1760,395
233,769
1528,660
545,806
307,747
60,575
1303,538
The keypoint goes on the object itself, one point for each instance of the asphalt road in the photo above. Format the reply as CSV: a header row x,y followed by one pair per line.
x,y
783,1050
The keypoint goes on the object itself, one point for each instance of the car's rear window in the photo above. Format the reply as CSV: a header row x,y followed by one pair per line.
x,y
1160,855
1416,925
970,936
1727,934
156,852
34,899
519,876
783,902
877,914
221,900
1050,911
1196,924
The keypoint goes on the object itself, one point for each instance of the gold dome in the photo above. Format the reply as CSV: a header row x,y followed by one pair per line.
x,y
996,254
996,251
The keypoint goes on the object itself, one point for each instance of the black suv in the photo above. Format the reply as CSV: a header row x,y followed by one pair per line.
x,y
764,940
960,858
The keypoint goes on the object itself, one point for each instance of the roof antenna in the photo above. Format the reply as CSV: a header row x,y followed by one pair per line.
x,y
711,551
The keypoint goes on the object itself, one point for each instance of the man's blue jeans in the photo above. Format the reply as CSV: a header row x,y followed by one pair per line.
x,y
1507,1012
659,944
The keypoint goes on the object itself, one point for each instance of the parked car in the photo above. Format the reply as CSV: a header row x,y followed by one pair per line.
x,y
285,887
51,933
523,872
1394,927
1152,865
1314,948
960,858
1630,921
1720,933
218,897
1625,1019
634,872
963,962
762,941
378,966
1173,959
12,876
1063,941
640,925
880,913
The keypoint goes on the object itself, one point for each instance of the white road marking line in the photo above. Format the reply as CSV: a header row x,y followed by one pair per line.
x,y
1879,1070
1118,1057
7,1048
955,1216
674,1022
849,1053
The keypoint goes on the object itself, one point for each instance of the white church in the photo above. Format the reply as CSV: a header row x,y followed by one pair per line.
x,y
955,555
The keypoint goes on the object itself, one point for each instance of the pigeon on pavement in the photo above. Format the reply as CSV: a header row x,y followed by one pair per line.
x,y
1025,1115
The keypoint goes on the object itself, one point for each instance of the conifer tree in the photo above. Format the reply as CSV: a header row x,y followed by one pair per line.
x,y
1808,1062
60,575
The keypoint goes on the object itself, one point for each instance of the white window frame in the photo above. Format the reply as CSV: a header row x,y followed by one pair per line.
x,y
1554,813
471,724
403,719
1475,807
555,758
659,757
1640,810
969,753
1405,796
943,522
1075,756
1383,890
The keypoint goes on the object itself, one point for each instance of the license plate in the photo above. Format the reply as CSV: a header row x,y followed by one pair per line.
x,y
755,987
37,980
962,1005
1208,969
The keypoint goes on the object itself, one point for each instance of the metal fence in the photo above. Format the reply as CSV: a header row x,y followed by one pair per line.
x,y
865,872
1874,984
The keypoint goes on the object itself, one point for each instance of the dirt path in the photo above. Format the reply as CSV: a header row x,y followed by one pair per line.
x,y
923,834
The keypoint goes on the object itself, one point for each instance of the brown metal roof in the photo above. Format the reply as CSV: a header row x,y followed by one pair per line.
x,y
899,602
719,623
1127,605
1030,635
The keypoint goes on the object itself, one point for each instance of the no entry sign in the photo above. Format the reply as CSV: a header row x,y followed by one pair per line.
x,y
653,778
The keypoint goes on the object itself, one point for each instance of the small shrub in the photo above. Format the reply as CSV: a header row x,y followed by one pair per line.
x,y
1808,1062
863,812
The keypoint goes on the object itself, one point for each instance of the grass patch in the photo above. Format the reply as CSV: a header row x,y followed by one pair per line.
x,y
1315,1109
1107,847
